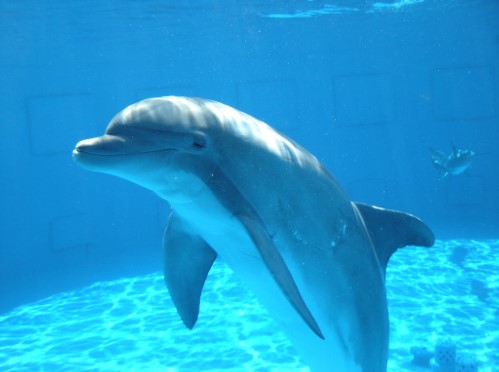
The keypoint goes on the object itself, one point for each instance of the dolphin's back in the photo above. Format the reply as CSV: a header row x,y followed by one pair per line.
x,y
211,115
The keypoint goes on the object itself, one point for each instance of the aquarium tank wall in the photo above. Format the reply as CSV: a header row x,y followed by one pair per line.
x,y
368,87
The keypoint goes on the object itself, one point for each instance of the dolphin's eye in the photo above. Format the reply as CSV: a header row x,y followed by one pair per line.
x,y
199,142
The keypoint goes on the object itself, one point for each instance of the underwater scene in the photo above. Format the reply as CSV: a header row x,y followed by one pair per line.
x,y
131,324
218,185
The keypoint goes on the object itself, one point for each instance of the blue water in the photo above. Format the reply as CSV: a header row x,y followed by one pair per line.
x,y
365,85
448,292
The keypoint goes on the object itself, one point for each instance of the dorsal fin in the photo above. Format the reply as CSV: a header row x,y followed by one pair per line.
x,y
390,230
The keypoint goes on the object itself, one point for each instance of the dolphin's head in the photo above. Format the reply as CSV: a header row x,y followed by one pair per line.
x,y
160,143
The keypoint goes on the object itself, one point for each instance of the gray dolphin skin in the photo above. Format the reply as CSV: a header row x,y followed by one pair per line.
x,y
241,191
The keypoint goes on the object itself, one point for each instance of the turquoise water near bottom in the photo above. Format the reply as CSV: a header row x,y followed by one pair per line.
x,y
448,292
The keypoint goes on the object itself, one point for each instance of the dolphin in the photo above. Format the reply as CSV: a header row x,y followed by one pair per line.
x,y
455,163
241,191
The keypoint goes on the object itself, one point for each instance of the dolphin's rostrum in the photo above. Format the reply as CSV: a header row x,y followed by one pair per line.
x,y
242,191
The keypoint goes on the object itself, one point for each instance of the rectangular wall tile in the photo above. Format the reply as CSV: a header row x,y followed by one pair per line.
x,y
363,99
465,190
70,232
173,90
463,93
58,122
273,101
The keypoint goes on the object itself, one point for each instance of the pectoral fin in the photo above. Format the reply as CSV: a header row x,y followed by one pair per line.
x,y
187,261
277,267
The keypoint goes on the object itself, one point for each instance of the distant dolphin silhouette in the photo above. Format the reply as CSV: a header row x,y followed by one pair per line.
x,y
242,191
453,164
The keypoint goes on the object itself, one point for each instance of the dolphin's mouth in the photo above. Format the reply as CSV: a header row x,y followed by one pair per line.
x,y
110,145
77,152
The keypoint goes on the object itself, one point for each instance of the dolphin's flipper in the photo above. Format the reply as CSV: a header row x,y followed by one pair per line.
x,y
187,261
277,267
390,230
438,159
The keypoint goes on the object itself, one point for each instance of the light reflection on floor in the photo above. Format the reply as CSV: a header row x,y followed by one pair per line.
x,y
448,292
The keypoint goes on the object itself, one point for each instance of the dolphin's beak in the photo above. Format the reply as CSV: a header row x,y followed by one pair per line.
x,y
106,145
97,153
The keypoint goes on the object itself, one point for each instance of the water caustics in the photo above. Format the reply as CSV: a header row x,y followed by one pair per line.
x,y
131,323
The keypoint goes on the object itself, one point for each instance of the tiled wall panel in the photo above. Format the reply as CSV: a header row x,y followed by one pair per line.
x,y
463,93
363,99
465,191
70,232
273,101
57,122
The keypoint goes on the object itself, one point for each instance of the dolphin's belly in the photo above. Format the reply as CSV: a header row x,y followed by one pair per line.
x,y
229,238
237,250
457,170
